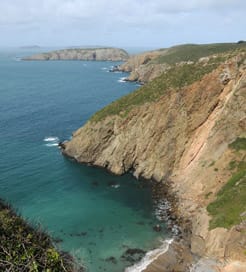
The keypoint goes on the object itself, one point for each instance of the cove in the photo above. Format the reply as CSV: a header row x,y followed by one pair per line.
x,y
92,214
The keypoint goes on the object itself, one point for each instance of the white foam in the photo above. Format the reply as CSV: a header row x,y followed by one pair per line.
x,y
122,80
116,186
51,139
50,144
150,257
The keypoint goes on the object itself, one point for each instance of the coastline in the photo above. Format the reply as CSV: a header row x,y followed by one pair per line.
x,y
109,140
150,257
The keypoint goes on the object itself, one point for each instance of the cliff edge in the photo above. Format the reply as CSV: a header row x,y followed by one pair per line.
x,y
186,127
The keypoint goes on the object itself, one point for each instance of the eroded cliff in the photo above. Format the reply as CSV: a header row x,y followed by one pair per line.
x,y
179,128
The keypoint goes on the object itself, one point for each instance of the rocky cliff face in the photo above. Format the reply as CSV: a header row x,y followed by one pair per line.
x,y
98,54
182,137
141,69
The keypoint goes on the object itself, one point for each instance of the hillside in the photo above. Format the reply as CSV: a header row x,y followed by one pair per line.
x,y
149,65
186,128
95,54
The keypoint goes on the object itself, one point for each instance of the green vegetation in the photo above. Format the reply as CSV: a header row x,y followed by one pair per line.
x,y
178,76
193,52
208,195
238,144
24,248
175,78
230,202
231,199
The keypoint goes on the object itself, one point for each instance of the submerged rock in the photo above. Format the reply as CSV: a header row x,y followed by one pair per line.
x,y
157,228
133,255
111,260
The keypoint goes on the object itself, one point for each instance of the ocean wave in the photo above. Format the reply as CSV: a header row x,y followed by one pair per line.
x,y
162,207
122,80
50,144
51,139
150,257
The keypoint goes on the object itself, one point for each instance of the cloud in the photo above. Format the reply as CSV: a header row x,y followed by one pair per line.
x,y
110,18
15,11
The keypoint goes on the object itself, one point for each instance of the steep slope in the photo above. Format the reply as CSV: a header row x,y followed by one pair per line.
x,y
178,129
99,54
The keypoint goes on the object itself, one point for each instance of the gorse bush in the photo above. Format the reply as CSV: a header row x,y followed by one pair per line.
x,y
25,248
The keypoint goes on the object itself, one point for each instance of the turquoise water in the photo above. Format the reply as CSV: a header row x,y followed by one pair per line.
x,y
90,213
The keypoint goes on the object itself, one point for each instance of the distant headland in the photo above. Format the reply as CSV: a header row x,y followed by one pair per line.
x,y
93,54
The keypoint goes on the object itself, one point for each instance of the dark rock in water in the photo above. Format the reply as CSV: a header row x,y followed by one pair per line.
x,y
112,183
157,228
111,260
115,69
61,145
57,240
83,233
133,255
125,246
95,183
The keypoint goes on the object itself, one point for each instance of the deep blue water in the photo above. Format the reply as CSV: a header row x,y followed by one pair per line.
x,y
75,203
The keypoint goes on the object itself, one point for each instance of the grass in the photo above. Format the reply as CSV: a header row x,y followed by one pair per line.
x,y
25,248
175,78
231,199
230,202
238,144
193,52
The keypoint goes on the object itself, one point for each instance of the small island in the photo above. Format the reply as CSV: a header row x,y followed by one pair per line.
x,y
88,54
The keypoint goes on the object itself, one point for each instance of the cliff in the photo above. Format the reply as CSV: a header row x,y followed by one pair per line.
x,y
98,54
149,65
187,128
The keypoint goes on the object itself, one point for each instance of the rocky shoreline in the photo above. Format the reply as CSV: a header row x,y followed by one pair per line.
x,y
178,256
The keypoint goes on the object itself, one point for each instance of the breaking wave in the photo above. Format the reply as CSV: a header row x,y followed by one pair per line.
x,y
150,257
51,141
122,80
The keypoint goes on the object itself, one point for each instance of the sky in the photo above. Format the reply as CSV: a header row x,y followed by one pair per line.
x,y
121,23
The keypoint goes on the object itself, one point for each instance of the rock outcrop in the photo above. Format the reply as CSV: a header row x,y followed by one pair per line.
x,y
142,69
182,137
96,54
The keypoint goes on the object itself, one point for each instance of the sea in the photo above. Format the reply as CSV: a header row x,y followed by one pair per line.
x,y
90,213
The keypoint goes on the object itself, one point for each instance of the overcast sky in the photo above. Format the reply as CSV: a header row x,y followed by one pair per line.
x,y
122,23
